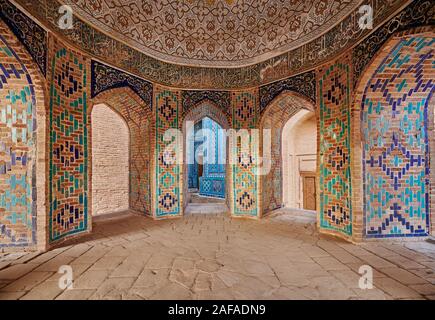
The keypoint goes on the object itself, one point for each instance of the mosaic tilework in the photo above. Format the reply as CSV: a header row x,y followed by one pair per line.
x,y
192,98
334,133
212,183
33,37
304,84
395,141
104,77
68,188
212,187
17,150
339,38
167,172
418,13
245,179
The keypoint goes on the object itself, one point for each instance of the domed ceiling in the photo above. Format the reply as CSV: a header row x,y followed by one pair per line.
x,y
214,33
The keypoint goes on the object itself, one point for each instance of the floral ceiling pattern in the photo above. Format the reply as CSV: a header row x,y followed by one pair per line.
x,y
389,16
217,33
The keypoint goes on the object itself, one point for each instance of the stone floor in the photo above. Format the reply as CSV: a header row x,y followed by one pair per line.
x,y
210,256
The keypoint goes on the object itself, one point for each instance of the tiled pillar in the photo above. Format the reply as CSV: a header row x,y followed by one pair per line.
x,y
168,176
245,188
68,188
334,148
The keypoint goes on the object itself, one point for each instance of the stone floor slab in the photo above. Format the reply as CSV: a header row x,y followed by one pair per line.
x,y
212,256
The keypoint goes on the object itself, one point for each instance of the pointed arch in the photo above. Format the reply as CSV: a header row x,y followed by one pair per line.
x,y
205,108
275,116
139,120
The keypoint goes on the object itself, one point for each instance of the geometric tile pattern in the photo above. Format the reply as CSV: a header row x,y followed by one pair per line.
x,y
245,178
212,187
395,141
17,150
167,169
30,34
213,33
307,55
334,133
304,83
104,77
68,166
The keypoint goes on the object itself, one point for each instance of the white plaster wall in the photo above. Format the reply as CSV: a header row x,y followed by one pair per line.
x,y
299,147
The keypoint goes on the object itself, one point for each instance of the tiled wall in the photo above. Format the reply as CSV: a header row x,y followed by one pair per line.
x,y
168,174
396,104
245,181
395,107
334,146
68,147
17,146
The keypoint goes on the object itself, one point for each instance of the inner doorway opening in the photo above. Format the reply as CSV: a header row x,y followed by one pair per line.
x,y
299,154
206,156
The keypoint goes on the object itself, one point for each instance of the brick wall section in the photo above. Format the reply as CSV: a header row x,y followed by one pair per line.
x,y
24,226
110,161
137,116
281,109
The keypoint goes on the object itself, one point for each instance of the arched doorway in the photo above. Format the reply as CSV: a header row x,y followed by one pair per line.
x,y
124,134
278,113
204,135
110,161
